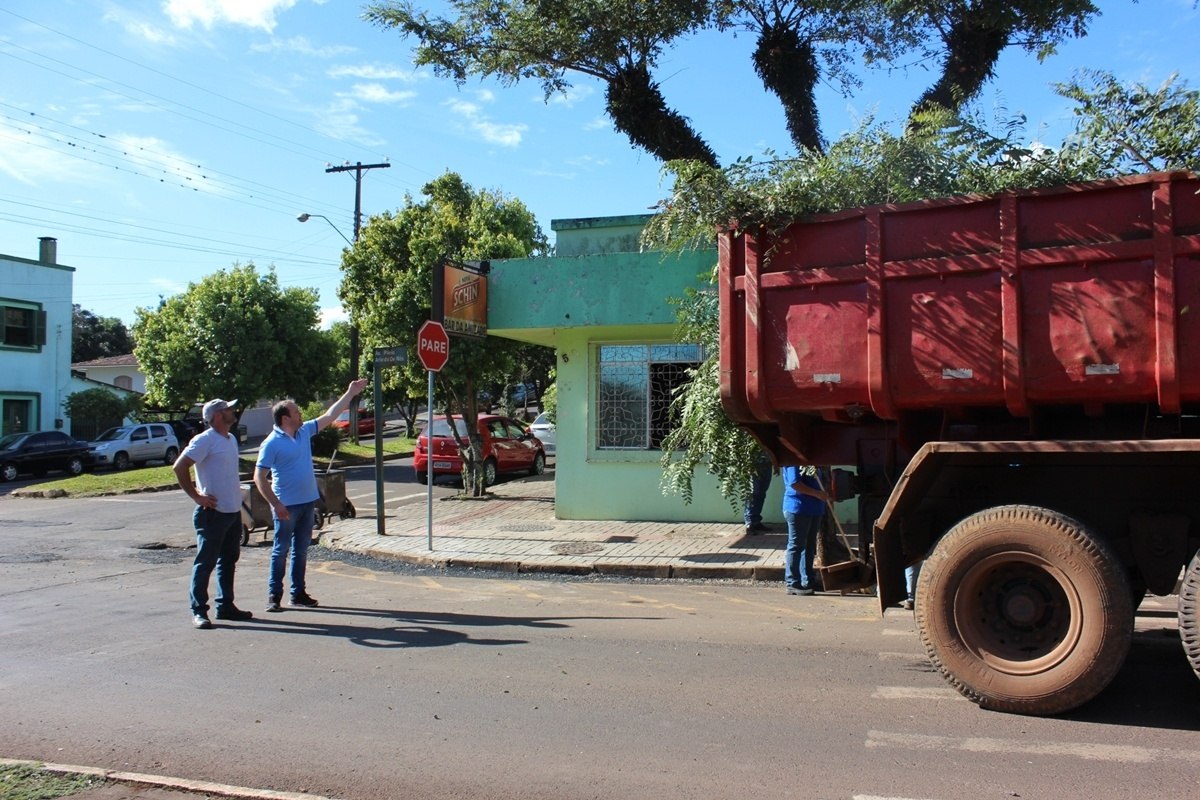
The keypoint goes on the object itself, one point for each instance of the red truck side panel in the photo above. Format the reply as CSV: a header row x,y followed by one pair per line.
x,y
1077,296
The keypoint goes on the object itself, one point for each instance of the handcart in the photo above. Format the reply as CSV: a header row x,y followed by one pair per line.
x,y
333,501
256,512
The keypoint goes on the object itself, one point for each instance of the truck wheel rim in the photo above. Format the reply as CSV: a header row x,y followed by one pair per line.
x,y
1018,613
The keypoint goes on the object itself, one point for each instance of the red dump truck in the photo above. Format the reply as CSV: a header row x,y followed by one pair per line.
x,y
1015,381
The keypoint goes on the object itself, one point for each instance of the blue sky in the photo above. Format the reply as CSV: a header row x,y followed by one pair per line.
x,y
161,141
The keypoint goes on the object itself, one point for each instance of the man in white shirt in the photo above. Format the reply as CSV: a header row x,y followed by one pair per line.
x,y
218,515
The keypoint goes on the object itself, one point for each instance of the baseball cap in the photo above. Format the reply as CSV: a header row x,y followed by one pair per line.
x,y
213,406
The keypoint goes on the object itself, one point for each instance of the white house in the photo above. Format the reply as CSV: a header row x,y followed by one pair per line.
x,y
120,371
35,340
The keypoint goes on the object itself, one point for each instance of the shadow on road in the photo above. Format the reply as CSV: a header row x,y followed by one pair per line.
x,y
411,628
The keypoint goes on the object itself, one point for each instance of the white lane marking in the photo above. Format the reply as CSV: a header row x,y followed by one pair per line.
x,y
1086,751
890,656
915,693
386,499
880,797
898,632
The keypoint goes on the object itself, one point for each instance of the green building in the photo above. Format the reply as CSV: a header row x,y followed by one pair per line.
x,y
603,305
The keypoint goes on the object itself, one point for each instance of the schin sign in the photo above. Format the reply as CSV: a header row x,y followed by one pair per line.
x,y
462,297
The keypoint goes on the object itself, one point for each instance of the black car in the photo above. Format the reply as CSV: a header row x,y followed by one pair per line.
x,y
38,453
185,429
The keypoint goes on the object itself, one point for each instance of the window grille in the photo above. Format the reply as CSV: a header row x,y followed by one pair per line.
x,y
634,388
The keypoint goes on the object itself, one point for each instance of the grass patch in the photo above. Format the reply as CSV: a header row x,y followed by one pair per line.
x,y
352,454
110,481
27,782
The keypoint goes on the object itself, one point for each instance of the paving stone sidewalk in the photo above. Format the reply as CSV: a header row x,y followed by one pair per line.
x,y
514,529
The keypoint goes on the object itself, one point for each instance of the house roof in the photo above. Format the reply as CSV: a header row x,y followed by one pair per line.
x,y
127,360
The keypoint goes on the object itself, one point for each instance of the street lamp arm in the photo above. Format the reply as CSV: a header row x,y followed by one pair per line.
x,y
305,217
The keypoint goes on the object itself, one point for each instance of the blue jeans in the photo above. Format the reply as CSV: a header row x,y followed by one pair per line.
x,y
801,549
292,536
759,484
218,545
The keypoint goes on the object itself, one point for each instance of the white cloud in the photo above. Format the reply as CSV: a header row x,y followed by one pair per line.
x,y
152,156
372,72
209,13
570,96
332,315
504,134
598,124
31,158
301,45
378,93
485,96
340,120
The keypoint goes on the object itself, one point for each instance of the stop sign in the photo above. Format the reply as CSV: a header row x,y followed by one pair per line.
x,y
433,346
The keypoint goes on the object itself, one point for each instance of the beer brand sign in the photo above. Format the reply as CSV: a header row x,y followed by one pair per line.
x,y
464,301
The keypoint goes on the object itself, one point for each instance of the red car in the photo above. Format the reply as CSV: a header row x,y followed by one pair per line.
x,y
366,422
507,447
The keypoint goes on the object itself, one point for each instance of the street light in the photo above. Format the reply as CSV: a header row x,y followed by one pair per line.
x,y
305,217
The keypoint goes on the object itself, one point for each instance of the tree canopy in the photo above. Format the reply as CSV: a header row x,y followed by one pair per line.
x,y
234,334
387,283
94,337
798,43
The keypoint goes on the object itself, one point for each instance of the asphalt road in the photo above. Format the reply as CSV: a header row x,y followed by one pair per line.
x,y
410,683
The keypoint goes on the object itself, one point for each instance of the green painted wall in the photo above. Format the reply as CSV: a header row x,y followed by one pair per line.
x,y
600,290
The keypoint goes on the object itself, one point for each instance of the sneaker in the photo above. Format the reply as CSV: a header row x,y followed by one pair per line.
x,y
273,603
800,590
234,613
303,600
907,605
755,528
201,621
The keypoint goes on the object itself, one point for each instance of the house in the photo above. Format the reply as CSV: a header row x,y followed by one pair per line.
x,y
604,306
122,372
35,340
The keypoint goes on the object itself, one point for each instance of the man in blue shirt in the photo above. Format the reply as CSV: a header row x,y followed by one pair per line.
x,y
284,476
803,507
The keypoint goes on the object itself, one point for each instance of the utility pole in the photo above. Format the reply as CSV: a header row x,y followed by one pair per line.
x,y
358,168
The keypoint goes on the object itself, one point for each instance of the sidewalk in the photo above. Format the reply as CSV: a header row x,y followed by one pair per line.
x,y
515,530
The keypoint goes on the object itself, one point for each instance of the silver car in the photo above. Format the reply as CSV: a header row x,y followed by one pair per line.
x,y
135,444
543,429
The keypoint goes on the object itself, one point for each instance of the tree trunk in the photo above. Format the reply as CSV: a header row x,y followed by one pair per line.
x,y
788,68
972,49
637,108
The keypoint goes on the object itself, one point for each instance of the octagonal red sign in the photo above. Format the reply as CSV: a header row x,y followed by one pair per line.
x,y
433,346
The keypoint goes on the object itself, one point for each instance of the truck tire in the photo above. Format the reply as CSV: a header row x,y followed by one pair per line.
x,y
1189,613
1024,610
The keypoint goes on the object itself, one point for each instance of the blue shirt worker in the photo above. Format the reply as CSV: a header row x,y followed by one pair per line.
x,y
803,507
284,476
217,492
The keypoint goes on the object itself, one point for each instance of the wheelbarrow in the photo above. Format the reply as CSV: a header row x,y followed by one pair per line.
x,y
333,501
256,512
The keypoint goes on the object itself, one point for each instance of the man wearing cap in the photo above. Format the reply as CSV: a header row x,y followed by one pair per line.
x,y
218,515
284,476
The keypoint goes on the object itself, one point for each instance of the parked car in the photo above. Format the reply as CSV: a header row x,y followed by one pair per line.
x,y
543,429
185,429
36,453
507,447
135,444
524,394
366,422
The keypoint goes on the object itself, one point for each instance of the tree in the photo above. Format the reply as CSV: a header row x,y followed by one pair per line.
x,y
387,286
799,42
234,334
93,410
95,337
615,41
971,34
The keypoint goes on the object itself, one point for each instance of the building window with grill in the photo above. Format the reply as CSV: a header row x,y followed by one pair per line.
x,y
635,385
22,325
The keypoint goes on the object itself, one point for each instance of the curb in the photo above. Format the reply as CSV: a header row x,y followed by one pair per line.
x,y
164,782
608,568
